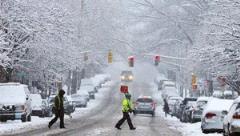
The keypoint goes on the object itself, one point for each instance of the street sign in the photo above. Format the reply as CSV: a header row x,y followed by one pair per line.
x,y
124,89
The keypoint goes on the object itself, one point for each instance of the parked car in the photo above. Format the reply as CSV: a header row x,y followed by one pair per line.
x,y
15,102
38,108
198,109
168,83
84,94
168,92
144,105
126,76
87,84
185,109
79,100
187,112
68,108
212,118
47,108
172,103
231,123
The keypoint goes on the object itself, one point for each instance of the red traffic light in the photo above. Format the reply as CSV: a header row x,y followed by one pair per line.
x,y
131,61
157,60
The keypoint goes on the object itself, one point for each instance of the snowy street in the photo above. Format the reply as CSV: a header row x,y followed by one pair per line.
x,y
101,117
119,68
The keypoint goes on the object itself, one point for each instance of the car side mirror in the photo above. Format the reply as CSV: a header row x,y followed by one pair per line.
x,y
224,112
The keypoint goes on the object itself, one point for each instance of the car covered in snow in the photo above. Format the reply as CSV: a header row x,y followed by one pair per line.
x,y
79,100
38,109
187,110
231,123
173,103
198,109
87,85
184,108
144,105
212,118
15,102
47,108
68,107
168,83
126,76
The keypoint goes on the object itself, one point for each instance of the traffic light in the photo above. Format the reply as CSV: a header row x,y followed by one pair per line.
x,y
194,82
157,60
110,57
131,61
194,79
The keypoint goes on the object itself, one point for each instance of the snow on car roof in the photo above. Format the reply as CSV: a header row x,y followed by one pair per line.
x,y
36,99
216,105
148,97
175,98
12,93
203,98
168,82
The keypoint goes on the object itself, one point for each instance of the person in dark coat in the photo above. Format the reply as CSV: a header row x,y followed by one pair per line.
x,y
165,107
58,109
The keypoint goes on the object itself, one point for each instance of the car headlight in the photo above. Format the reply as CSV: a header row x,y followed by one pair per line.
x,y
122,77
130,77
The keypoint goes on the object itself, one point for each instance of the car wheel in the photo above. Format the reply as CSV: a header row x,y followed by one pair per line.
x,y
153,114
3,120
204,131
23,118
29,118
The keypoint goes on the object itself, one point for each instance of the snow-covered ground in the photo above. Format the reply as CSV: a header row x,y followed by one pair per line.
x,y
187,129
17,125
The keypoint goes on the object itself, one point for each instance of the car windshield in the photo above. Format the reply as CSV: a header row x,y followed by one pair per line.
x,y
126,73
145,100
201,103
191,103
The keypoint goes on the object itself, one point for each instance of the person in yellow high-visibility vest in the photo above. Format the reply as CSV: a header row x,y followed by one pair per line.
x,y
126,108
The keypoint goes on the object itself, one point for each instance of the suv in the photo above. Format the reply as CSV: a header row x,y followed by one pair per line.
x,y
144,105
15,102
126,76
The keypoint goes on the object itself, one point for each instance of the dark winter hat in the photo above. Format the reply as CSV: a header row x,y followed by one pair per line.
x,y
128,96
61,92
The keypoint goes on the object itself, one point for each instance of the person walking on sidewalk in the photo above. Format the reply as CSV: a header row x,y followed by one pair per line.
x,y
165,107
126,109
58,109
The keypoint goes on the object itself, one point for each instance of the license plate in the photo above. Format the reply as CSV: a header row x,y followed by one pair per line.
x,y
18,115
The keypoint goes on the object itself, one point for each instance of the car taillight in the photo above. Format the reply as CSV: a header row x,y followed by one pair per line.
x,y
210,115
236,116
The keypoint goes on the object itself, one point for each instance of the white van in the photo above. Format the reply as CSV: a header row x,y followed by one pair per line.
x,y
15,102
